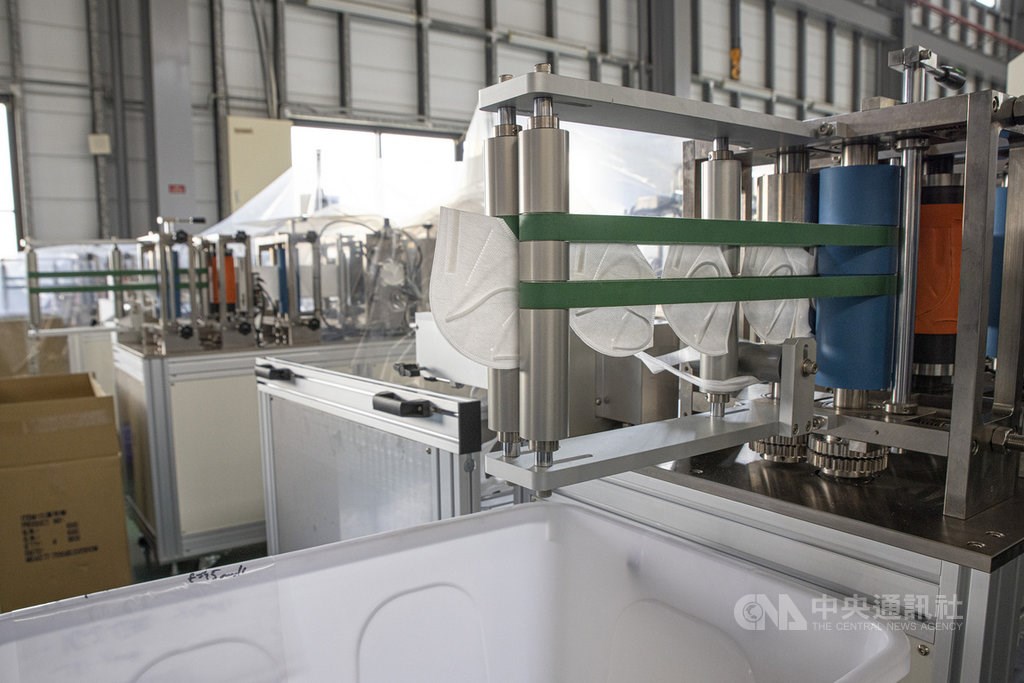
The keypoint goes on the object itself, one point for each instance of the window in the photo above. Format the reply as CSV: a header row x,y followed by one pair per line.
x,y
8,223
401,177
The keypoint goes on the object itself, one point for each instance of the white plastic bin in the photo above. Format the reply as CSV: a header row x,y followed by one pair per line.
x,y
541,592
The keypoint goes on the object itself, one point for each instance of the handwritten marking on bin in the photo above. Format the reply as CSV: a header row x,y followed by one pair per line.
x,y
216,574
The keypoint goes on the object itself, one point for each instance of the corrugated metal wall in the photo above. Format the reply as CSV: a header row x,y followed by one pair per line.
x,y
771,62
381,80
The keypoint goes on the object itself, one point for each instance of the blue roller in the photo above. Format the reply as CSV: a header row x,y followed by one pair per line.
x,y
995,292
854,334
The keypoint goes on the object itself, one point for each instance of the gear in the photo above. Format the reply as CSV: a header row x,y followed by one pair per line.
x,y
781,449
844,459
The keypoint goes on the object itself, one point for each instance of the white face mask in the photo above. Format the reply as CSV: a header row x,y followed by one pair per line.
x,y
705,327
620,331
777,321
474,287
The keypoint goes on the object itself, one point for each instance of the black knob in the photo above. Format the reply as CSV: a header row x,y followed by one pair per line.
x,y
951,77
313,324
407,369
244,328
185,332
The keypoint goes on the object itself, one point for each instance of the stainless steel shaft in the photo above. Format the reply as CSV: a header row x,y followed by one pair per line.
x,y
721,182
502,199
910,228
912,160
544,334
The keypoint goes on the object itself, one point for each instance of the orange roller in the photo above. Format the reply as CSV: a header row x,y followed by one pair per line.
x,y
229,281
938,268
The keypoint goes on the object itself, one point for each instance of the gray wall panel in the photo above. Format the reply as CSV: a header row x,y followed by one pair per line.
x,y
456,75
383,68
313,70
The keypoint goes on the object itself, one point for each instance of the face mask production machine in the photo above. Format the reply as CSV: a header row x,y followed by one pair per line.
x,y
192,313
880,457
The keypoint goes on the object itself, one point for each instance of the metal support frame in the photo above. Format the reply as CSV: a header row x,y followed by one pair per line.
x,y
583,458
976,477
980,473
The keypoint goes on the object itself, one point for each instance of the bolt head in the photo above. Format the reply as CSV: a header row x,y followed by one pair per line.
x,y
923,650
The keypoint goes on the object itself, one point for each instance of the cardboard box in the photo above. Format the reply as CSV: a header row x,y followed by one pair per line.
x,y
62,517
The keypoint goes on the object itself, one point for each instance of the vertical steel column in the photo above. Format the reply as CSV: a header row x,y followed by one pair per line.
x,y
220,257
720,198
976,478
117,263
785,196
544,334
502,199
35,316
194,304
912,160
246,311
